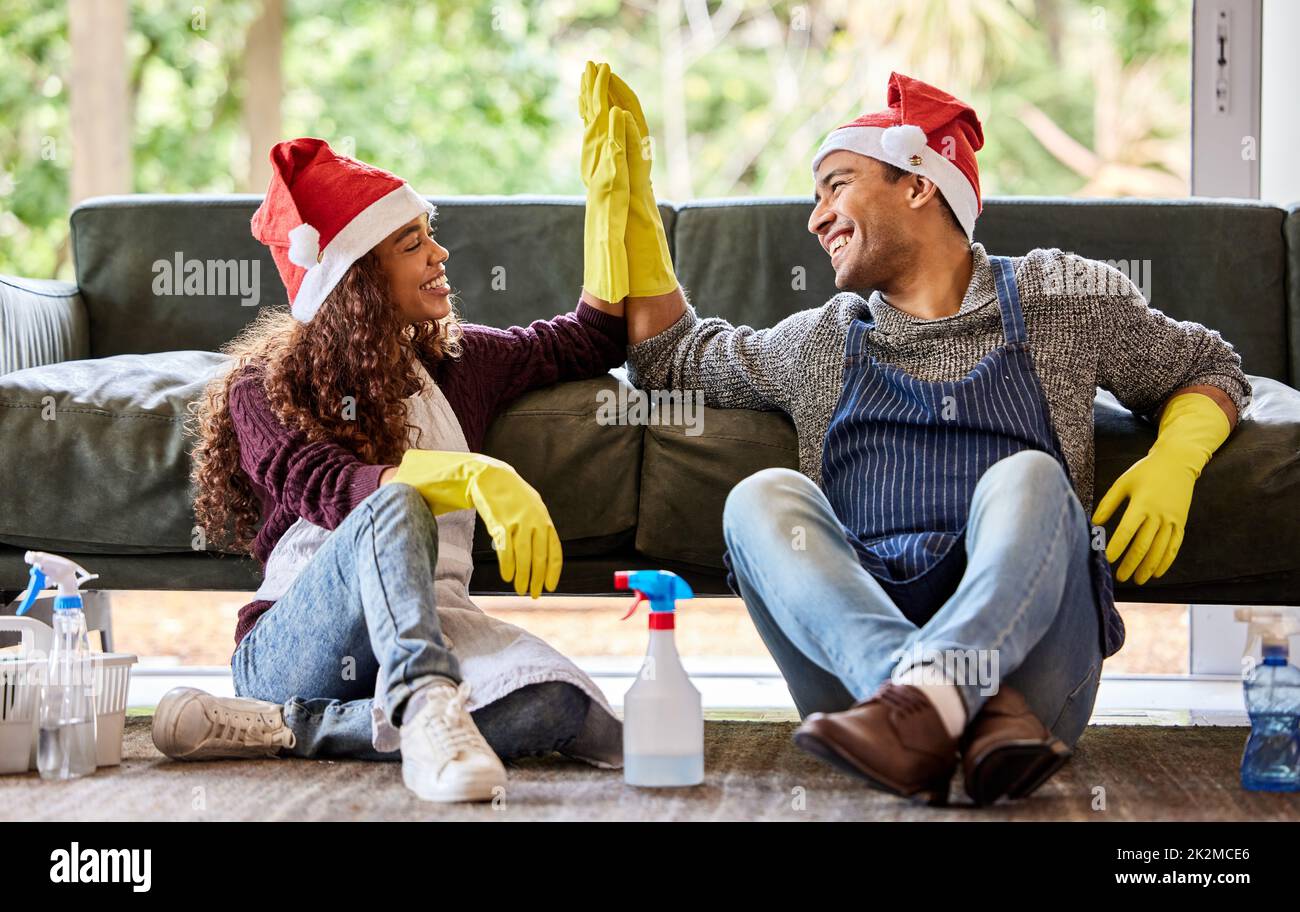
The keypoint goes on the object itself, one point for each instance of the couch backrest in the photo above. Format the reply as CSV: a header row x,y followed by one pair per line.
x,y
1221,263
515,259
1291,231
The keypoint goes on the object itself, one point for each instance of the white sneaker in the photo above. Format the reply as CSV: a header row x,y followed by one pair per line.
x,y
192,725
444,755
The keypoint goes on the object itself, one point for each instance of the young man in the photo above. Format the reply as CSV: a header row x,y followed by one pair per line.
x,y
929,581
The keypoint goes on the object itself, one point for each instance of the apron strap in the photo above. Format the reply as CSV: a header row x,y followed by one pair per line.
x,y
857,339
1013,321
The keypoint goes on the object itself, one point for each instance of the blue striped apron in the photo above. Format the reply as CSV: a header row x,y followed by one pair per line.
x,y
903,455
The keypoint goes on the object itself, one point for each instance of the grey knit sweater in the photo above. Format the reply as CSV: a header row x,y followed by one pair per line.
x,y
1088,327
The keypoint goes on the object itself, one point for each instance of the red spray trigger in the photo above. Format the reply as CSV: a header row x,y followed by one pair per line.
x,y
640,597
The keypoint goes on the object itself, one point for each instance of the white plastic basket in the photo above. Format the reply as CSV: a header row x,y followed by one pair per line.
x,y
112,681
20,693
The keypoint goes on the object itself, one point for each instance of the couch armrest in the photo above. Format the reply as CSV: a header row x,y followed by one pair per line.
x,y
42,321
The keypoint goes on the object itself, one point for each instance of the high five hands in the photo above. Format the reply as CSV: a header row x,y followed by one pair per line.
x,y
624,244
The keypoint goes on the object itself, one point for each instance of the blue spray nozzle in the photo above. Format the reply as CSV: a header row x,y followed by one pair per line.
x,y
60,572
661,588
35,585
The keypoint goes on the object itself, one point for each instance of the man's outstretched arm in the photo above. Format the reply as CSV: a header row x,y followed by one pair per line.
x,y
650,316
1190,380
733,366
1221,399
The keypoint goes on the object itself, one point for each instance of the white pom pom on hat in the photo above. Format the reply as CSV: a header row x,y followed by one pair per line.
x,y
304,246
903,142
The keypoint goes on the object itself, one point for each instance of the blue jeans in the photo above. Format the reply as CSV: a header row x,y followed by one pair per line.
x,y
364,605
1024,608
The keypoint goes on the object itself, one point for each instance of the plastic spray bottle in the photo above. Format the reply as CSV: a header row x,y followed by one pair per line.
x,y
1271,760
66,741
663,718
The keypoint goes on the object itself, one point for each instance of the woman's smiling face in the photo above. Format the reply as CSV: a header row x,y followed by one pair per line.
x,y
414,265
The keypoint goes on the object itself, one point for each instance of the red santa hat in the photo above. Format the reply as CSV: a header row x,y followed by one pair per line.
x,y
925,131
323,212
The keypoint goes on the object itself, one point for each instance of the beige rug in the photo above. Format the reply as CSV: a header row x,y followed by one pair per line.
x,y
753,772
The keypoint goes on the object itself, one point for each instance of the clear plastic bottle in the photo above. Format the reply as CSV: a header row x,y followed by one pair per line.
x,y
66,716
663,715
66,745
1271,760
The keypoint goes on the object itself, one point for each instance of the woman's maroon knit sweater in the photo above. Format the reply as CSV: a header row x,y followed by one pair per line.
x,y
323,482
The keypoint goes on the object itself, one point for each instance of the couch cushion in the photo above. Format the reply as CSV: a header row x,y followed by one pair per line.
x,y
110,472
513,260
1243,524
685,479
586,471
1218,262
95,453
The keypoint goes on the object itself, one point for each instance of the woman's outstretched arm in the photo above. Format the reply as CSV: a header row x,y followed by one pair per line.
x,y
585,342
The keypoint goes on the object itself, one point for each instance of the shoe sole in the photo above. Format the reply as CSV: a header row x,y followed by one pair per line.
x,y
465,792
934,795
1014,770
164,721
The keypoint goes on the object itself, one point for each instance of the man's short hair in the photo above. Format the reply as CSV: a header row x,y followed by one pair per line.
x,y
894,174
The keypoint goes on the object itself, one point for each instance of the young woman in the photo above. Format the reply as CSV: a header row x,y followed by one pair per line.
x,y
349,427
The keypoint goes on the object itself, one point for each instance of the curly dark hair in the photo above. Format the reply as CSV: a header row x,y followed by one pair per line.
x,y
355,351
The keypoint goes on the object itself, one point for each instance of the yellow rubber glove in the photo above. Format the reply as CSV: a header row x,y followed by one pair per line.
x,y
528,549
649,264
1158,487
605,174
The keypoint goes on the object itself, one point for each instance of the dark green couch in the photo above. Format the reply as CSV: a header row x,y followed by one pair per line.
x,y
113,365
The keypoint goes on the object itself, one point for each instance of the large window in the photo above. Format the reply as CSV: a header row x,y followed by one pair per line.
x,y
1079,97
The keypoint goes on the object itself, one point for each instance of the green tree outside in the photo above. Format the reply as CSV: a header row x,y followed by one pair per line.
x,y
1088,97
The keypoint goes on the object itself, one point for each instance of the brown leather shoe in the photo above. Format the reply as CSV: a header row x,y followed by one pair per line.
x,y
1006,750
894,740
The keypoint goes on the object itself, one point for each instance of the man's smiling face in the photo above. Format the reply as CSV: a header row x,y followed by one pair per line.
x,y
860,218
